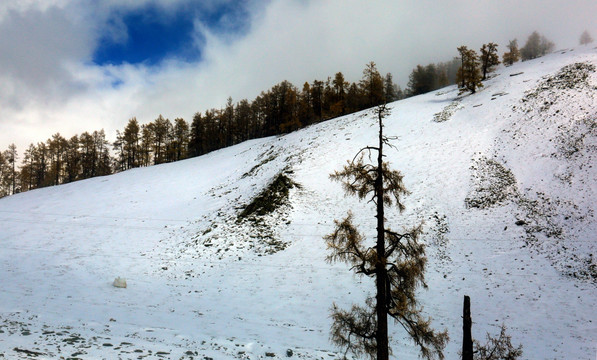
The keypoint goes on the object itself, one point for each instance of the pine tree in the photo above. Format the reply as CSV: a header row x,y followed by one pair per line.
x,y
489,58
396,262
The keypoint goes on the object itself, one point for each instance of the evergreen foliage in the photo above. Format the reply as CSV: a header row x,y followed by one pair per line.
x,y
396,262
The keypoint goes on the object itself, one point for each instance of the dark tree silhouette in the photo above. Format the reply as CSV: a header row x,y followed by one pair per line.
x,y
396,262
489,58
469,74
536,46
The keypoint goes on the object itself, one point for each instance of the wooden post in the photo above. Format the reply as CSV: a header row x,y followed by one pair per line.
x,y
467,323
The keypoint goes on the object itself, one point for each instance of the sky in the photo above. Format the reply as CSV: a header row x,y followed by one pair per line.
x,y
71,66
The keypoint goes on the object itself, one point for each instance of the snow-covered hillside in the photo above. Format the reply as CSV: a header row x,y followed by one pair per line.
x,y
505,180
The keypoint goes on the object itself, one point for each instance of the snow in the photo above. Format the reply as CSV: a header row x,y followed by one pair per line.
x,y
202,285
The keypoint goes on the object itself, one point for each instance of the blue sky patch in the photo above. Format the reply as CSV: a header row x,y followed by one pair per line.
x,y
151,34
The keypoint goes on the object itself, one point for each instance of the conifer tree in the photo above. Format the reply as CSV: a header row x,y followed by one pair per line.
x,y
489,58
536,46
372,85
103,160
131,143
338,106
57,147
396,262
513,54
28,169
469,74
422,80
4,189
72,160
12,175
181,136
391,91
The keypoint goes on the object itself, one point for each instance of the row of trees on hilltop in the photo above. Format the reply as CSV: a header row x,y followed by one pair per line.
x,y
282,109
56,161
470,68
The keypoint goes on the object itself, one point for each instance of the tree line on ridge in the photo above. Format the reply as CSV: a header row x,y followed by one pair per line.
x,y
282,109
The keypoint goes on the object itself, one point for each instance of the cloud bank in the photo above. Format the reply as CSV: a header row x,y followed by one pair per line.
x,y
50,82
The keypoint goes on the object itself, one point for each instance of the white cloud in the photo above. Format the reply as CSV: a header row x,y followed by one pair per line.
x,y
49,84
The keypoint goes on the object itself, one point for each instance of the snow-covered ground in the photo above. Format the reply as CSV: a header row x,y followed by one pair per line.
x,y
203,284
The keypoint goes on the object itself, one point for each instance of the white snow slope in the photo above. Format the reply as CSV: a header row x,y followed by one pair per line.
x,y
202,285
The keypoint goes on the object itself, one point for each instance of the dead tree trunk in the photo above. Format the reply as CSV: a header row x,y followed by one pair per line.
x,y
381,270
467,323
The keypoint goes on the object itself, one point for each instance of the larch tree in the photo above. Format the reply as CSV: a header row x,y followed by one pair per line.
x,y
10,155
396,261
4,190
131,140
372,85
72,160
56,147
422,80
159,128
489,58
469,74
513,54
536,46
462,50
391,91
338,107
102,152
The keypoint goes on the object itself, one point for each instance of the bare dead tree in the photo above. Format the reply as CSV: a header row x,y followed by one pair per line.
x,y
396,262
497,348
